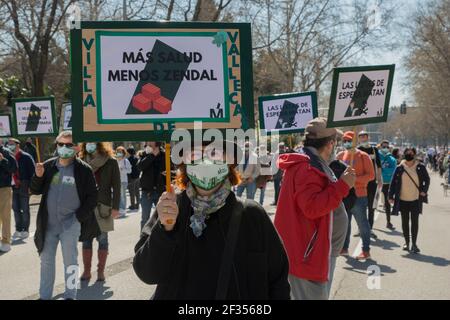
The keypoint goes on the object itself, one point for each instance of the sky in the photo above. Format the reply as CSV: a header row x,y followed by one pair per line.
x,y
399,90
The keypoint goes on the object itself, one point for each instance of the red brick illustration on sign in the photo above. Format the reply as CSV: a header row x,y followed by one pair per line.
x,y
151,98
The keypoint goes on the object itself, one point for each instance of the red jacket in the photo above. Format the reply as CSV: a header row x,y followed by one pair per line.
x,y
304,216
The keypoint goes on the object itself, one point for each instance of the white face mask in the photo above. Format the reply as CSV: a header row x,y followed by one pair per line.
x,y
65,152
91,147
148,149
12,147
207,175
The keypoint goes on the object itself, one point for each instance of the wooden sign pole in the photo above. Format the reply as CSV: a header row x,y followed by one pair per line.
x,y
352,154
168,175
38,150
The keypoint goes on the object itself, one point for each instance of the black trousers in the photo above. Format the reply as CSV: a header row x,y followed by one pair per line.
x,y
410,210
387,205
371,191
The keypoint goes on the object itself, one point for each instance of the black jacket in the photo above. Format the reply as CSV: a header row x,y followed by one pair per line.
x,y
87,192
26,166
152,168
134,169
396,186
31,150
8,166
185,267
338,168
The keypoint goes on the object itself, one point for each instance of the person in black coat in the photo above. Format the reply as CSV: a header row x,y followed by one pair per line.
x,y
65,214
407,192
189,252
133,180
152,165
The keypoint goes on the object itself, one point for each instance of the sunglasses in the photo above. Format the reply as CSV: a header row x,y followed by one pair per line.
x,y
68,145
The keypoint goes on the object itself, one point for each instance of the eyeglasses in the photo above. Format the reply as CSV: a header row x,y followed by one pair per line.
x,y
68,145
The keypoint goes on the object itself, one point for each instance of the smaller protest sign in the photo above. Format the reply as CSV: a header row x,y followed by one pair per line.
x,y
5,126
35,116
287,113
360,95
66,116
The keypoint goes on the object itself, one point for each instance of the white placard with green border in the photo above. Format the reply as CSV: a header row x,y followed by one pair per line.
x,y
360,95
139,80
5,126
287,113
66,116
34,116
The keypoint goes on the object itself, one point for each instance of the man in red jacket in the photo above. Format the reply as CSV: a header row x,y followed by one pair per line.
x,y
310,217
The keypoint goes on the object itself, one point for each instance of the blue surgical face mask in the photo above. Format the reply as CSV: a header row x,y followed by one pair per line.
x,y
348,145
119,155
91,147
65,152
385,150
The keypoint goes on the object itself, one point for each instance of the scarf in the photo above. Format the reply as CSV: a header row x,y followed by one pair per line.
x,y
204,206
96,162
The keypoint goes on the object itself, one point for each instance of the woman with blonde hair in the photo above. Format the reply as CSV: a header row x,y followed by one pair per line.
x,y
99,156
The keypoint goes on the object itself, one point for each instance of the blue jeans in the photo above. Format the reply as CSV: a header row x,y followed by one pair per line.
x,y
69,241
21,207
123,197
359,211
250,189
262,195
147,202
102,239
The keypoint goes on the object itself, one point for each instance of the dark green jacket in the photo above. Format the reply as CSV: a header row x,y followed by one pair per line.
x,y
108,181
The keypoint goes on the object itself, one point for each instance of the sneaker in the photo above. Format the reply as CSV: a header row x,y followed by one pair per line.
x,y
363,256
344,253
5,247
131,208
415,249
373,235
357,234
24,234
390,226
406,247
17,235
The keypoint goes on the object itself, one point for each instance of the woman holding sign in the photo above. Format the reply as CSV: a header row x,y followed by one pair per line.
x,y
207,244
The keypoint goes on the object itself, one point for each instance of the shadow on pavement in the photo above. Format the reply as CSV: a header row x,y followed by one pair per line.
x,y
437,261
362,266
385,244
390,232
96,291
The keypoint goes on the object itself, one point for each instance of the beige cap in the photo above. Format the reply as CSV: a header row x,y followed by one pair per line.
x,y
317,129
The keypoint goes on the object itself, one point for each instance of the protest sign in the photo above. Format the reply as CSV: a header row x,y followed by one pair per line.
x,y
141,80
287,113
360,95
34,116
66,116
5,126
